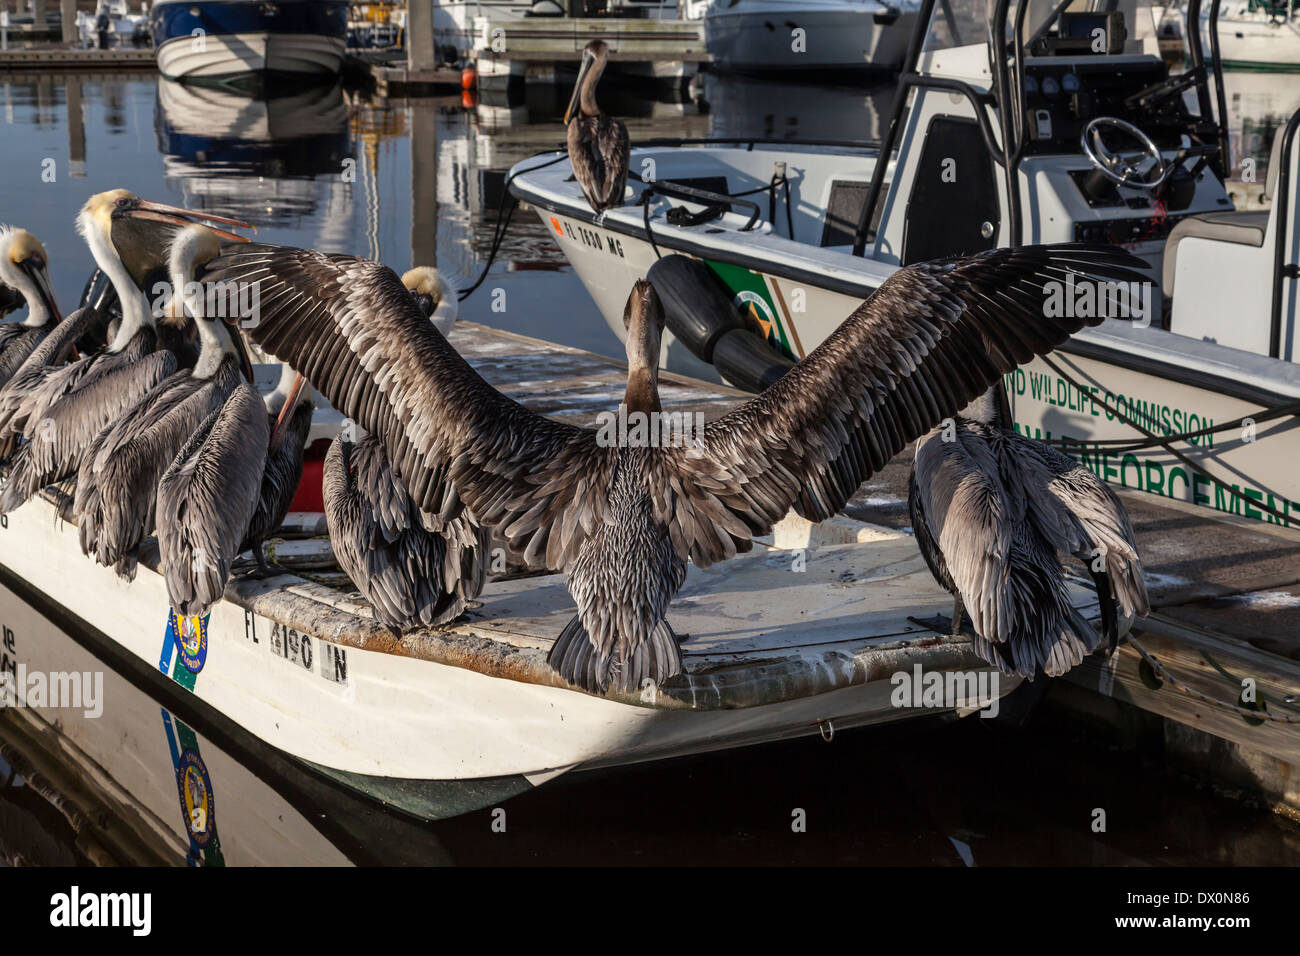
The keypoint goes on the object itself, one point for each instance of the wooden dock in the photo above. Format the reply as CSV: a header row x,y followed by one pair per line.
x,y
76,59
661,50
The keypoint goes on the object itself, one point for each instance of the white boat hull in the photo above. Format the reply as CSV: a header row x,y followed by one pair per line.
x,y
760,37
1256,42
386,722
215,56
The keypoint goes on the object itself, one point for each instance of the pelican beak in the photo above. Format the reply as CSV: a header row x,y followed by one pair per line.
x,y
583,70
179,217
41,277
286,411
245,360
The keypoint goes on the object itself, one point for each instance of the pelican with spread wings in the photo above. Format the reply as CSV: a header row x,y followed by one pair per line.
x,y
621,519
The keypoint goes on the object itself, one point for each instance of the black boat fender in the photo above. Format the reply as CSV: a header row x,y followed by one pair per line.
x,y
748,361
697,309
700,313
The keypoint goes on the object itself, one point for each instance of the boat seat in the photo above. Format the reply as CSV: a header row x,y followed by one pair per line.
x,y
1241,227
1245,228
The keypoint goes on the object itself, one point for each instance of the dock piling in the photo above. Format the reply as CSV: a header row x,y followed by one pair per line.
x,y
68,20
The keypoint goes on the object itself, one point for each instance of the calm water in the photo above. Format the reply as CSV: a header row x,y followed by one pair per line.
x,y
421,185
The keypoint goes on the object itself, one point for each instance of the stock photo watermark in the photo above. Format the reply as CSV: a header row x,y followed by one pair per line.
x,y
947,690
53,690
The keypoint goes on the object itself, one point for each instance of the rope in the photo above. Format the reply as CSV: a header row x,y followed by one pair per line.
x,y
1156,440
298,572
1246,712
646,195
504,216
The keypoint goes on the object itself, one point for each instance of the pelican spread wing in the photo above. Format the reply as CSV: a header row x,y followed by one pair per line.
x,y
927,342
355,332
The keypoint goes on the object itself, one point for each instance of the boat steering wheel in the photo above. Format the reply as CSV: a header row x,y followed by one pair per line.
x,y
1121,169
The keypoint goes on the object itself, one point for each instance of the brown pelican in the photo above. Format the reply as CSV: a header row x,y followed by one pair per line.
x,y
24,272
598,144
991,510
434,296
228,488
118,478
416,568
207,498
622,518
70,404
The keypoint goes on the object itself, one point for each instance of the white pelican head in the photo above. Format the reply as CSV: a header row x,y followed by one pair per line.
x,y
25,266
435,297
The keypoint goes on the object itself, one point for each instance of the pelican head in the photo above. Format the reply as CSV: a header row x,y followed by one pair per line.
x,y
25,266
130,238
643,317
594,56
189,250
436,299
290,391
137,232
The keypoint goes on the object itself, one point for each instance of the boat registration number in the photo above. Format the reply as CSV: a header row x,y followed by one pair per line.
x,y
310,653
591,238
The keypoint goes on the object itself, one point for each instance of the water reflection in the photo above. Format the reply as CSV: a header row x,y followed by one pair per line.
x,y
141,784
273,160
775,110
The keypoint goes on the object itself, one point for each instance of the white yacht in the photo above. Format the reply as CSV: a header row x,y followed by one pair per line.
x,y
753,36
1257,34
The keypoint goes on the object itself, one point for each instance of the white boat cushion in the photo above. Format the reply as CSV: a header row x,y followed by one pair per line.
x,y
1245,227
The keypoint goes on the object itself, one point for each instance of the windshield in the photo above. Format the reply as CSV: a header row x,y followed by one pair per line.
x,y
1046,32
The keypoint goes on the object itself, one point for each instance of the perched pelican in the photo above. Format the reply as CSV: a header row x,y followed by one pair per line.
x,y
118,478
434,296
128,237
24,278
991,510
622,521
598,144
228,488
416,568
289,408
207,498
